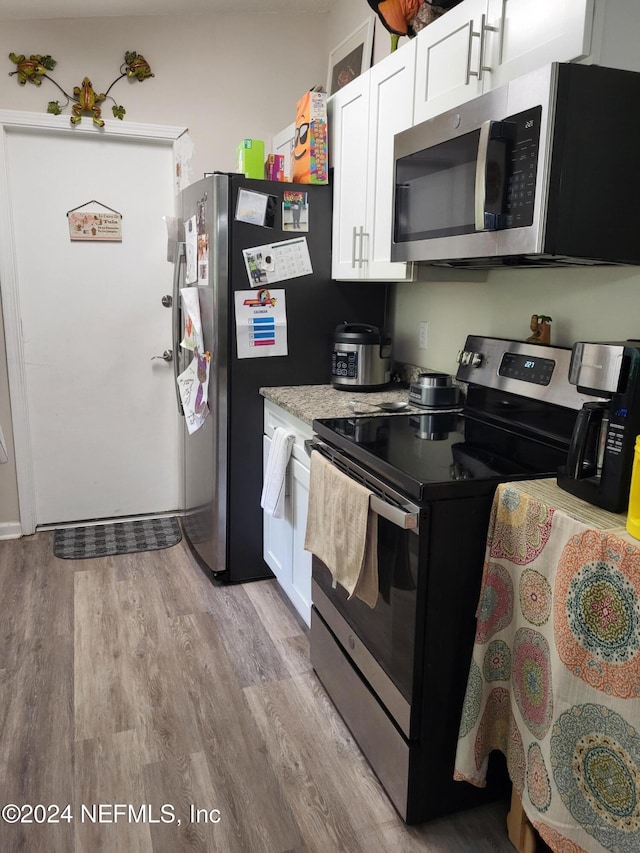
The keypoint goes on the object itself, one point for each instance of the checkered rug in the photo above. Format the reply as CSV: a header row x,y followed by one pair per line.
x,y
124,537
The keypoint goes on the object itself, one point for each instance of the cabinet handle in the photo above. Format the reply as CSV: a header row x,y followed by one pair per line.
x,y
362,234
484,29
469,74
359,259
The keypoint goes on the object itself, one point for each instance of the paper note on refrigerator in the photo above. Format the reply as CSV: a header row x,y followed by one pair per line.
x,y
191,251
193,384
192,331
261,323
277,262
203,241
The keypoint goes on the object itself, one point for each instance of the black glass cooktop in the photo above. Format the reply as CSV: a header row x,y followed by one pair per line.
x,y
438,455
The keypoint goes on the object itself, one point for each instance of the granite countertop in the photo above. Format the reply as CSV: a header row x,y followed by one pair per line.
x,y
308,402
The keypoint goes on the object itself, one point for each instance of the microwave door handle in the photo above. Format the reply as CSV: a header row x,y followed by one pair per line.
x,y
481,175
502,135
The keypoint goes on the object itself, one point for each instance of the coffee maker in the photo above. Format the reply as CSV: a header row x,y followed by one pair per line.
x,y
600,457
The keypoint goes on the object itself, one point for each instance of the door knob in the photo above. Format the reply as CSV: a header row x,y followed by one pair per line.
x,y
167,355
167,300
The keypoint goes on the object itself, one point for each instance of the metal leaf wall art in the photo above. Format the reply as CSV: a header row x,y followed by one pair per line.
x,y
84,100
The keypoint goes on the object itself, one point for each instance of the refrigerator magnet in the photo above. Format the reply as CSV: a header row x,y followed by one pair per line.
x,y
191,251
275,262
261,323
295,211
256,208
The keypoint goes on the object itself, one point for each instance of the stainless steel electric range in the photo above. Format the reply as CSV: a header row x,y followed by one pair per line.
x,y
397,673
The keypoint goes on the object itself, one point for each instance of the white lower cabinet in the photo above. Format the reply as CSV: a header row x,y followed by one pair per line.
x,y
283,538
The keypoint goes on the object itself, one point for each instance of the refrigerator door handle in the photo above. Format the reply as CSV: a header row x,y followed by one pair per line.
x,y
175,306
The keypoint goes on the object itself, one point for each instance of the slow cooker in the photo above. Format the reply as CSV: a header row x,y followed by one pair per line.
x,y
361,357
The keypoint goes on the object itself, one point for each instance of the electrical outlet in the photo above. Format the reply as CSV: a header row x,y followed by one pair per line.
x,y
423,335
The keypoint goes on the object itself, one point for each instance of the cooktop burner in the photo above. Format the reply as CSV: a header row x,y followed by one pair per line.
x,y
517,420
428,456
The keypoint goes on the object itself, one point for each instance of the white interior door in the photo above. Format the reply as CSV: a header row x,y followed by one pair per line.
x,y
102,416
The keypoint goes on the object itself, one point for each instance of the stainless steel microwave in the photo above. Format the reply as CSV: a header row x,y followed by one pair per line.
x,y
543,171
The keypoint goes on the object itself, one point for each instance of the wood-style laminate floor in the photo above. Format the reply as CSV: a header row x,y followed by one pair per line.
x,y
135,681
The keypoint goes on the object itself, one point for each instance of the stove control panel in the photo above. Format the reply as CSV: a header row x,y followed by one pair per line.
x,y
535,369
531,370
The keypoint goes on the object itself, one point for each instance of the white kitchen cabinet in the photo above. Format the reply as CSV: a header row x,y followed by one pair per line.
x,y
283,538
481,44
527,36
349,147
447,54
365,115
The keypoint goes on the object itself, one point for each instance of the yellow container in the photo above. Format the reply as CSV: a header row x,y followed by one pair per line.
x,y
633,513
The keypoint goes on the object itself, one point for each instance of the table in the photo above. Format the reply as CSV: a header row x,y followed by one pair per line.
x,y
554,682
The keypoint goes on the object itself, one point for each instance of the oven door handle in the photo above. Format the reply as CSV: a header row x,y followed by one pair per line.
x,y
403,518
397,516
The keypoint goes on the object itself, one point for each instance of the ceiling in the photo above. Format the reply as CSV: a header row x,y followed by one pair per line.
x,y
16,10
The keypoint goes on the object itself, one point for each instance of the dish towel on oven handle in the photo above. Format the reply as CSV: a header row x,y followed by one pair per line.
x,y
273,487
341,529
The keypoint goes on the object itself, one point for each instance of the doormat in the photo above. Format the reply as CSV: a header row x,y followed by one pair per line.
x,y
124,537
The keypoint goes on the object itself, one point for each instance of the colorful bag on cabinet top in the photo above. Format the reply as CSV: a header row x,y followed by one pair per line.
x,y
309,158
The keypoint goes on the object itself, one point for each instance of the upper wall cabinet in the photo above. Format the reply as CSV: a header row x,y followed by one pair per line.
x,y
481,44
365,115
524,37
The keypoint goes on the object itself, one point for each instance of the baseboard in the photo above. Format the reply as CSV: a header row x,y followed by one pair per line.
x,y
10,530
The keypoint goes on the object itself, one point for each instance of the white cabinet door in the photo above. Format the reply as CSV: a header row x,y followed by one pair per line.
x,y
277,538
300,593
482,44
528,36
350,107
283,542
390,111
448,59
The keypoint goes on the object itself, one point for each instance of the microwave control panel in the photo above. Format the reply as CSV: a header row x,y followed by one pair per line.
x,y
523,167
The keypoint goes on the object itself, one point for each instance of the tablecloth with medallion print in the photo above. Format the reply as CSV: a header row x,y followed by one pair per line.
x,y
554,682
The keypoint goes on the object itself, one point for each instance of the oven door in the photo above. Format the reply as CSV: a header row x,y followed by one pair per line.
x,y
384,642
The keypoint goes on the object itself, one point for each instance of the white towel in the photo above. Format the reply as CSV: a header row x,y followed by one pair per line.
x,y
3,448
341,529
273,488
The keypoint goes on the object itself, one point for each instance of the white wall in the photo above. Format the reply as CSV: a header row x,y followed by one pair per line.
x,y
225,77
585,304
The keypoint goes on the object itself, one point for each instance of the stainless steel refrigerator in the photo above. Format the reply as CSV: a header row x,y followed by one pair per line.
x,y
222,517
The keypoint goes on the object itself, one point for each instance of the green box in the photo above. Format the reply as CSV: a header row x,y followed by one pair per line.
x,y
251,158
